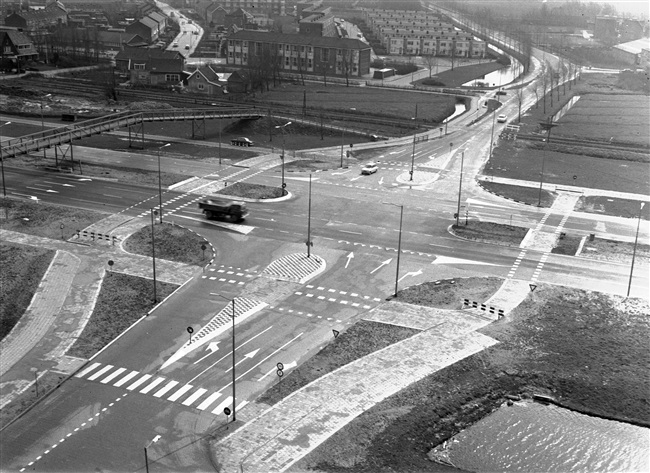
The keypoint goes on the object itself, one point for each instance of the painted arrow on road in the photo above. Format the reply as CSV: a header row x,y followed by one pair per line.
x,y
355,178
350,256
382,265
381,181
213,347
412,273
247,355
293,364
450,260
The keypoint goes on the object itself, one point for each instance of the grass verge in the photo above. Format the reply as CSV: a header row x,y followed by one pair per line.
x,y
362,338
122,300
612,206
23,267
46,382
527,195
586,349
567,245
252,191
490,232
173,243
617,251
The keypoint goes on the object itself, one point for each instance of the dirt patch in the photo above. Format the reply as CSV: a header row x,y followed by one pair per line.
x,y
490,232
567,245
613,206
526,195
23,267
252,191
46,220
362,338
586,349
449,293
122,300
173,243
615,251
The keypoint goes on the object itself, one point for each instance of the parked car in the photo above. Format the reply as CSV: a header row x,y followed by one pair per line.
x,y
242,141
369,168
175,45
502,118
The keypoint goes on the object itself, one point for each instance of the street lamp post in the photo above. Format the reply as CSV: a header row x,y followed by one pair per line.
x,y
309,244
545,126
146,456
281,127
153,256
636,239
43,121
2,163
342,139
160,183
460,185
234,415
399,242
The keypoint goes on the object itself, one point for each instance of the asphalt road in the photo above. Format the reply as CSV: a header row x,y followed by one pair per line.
x,y
91,424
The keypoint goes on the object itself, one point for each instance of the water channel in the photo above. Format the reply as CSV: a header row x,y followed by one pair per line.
x,y
534,437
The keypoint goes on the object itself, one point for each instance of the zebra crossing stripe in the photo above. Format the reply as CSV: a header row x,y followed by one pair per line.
x,y
113,375
219,409
126,378
166,388
199,392
209,400
87,370
139,382
100,372
152,385
174,397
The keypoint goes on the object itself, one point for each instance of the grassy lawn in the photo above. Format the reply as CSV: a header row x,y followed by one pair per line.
x,y
23,267
122,300
527,195
449,293
588,350
567,245
490,232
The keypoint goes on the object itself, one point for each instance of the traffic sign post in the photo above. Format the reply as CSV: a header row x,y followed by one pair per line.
x,y
190,330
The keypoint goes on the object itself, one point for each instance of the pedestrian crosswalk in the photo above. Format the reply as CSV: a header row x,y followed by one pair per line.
x,y
159,387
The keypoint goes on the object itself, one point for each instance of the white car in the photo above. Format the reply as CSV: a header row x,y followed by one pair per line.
x,y
369,168
502,118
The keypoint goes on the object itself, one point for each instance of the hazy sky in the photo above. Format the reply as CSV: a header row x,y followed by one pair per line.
x,y
638,7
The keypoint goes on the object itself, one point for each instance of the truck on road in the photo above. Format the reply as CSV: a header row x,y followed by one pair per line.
x,y
223,209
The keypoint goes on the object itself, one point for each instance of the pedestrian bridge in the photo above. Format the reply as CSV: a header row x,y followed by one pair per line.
x,y
133,120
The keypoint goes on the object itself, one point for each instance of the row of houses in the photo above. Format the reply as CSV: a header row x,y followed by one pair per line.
x,y
421,33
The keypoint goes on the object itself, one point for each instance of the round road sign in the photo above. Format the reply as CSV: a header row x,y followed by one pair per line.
x,y
226,410
190,330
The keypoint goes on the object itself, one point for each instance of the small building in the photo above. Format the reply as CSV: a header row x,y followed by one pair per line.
x,y
206,80
54,14
16,48
383,73
146,28
151,66
239,82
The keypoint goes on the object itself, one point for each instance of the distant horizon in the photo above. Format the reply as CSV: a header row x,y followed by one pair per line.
x,y
636,7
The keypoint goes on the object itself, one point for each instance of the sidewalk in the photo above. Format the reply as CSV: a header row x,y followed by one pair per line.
x,y
64,302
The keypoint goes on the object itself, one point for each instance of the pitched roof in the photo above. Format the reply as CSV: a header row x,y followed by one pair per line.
x,y
15,36
151,23
209,74
315,41
147,53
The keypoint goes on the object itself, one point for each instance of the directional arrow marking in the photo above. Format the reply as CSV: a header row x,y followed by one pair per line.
x,y
355,178
412,273
350,256
450,260
247,355
213,347
381,181
50,190
381,265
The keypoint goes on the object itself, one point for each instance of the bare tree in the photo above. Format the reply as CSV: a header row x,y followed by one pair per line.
x,y
544,75
551,76
564,73
430,60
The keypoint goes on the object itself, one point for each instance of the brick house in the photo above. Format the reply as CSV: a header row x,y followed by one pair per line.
x,y
52,15
151,66
16,47
205,80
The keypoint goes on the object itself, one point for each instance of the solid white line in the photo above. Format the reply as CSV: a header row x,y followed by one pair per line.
x,y
209,400
199,392
100,372
114,374
152,385
180,392
87,370
166,388
126,378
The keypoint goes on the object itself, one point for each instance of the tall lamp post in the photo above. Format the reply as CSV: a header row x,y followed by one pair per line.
x,y
146,456
636,239
234,417
281,127
160,182
309,243
153,256
342,139
399,242
548,126
2,162
460,185
43,121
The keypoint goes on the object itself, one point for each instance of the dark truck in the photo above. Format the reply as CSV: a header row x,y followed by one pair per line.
x,y
224,209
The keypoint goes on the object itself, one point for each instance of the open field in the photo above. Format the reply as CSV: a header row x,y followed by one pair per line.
x,y
588,350
620,168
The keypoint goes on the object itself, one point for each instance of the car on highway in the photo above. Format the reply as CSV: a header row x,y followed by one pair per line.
x,y
242,141
502,118
369,168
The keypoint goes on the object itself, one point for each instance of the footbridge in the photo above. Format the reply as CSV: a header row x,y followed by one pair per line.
x,y
55,137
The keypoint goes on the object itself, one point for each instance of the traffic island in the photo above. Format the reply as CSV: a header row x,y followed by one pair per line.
x,y
490,232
